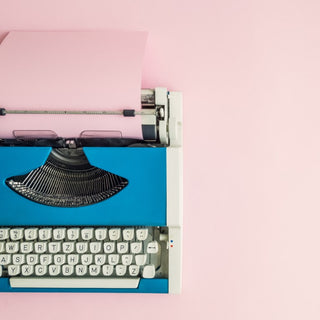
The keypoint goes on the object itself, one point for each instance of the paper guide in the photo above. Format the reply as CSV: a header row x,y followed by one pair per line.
x,y
71,71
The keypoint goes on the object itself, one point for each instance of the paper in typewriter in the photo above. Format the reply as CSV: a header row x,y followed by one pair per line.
x,y
71,71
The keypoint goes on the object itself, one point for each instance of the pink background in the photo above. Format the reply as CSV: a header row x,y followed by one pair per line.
x,y
249,71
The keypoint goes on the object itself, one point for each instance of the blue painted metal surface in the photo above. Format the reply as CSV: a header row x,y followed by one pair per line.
x,y
142,202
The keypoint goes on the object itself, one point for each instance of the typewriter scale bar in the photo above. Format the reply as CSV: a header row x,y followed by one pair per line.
x,y
125,112
149,108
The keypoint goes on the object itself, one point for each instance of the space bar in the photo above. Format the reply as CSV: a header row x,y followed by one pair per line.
x,y
108,283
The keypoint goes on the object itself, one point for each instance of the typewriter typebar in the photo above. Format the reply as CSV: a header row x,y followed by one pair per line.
x,y
67,179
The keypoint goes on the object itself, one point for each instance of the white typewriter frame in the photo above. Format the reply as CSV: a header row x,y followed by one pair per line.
x,y
173,104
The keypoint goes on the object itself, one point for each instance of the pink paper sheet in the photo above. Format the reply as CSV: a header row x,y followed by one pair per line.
x,y
71,71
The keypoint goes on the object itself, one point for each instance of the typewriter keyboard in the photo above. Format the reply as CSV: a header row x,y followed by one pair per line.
x,y
83,257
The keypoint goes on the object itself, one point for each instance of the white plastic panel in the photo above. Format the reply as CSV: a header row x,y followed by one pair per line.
x,y
175,260
175,191
175,119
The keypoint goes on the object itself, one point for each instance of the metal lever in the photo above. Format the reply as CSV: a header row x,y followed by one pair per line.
x,y
124,112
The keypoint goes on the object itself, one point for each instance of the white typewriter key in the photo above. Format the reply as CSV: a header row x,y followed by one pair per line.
x,y
81,247
73,259
4,233
87,233
54,247
59,233
109,247
45,233
67,270
141,259
81,270
95,247
128,234
136,247
100,259
40,247
163,237
0,271
127,259
16,233
149,271
113,259
18,259
68,247
31,234
114,234
54,270
107,270
5,259
142,234
45,259
2,246
122,247
134,270
32,259
73,233
153,247
13,270
86,259
12,247
94,270
26,247
121,270
59,259
40,270
27,270
101,234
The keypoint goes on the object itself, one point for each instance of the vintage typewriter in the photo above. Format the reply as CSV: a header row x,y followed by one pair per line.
x,y
94,213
